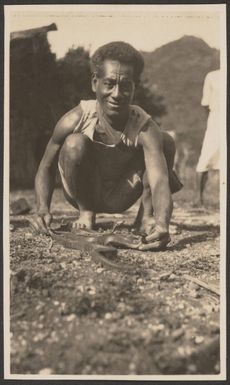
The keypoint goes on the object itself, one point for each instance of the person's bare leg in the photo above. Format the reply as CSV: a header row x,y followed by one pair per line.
x,y
201,180
78,175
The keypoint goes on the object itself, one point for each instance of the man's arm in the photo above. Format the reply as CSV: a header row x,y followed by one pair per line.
x,y
45,177
157,172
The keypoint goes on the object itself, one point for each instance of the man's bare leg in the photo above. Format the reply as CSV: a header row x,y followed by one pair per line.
x,y
79,178
201,180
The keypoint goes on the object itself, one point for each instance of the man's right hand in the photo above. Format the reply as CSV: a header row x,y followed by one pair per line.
x,y
41,222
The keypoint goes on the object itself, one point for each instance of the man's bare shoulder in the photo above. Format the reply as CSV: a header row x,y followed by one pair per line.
x,y
71,118
67,123
150,135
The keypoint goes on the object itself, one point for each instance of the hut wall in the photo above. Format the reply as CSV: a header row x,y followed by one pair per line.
x,y
34,105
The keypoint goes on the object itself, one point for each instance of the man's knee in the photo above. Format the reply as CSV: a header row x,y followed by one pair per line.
x,y
169,149
75,146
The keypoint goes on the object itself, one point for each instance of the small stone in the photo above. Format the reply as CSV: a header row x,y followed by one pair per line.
x,y
63,265
92,290
195,294
180,306
176,334
108,316
76,263
63,306
81,288
157,328
23,342
100,270
132,367
172,277
87,369
11,227
129,322
19,206
199,339
94,314
38,337
56,303
29,235
181,350
54,336
217,368
46,371
71,317
45,292
192,368
215,328
184,351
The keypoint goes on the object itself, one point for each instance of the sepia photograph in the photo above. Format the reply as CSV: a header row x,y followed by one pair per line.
x,y
115,192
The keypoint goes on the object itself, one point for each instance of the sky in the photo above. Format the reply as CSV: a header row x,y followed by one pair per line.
x,y
145,27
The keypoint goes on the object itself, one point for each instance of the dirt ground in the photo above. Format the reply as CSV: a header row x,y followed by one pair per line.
x,y
70,315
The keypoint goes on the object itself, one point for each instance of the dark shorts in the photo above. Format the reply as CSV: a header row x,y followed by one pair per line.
x,y
110,188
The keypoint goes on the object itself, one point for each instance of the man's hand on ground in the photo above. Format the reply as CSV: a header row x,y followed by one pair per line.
x,y
156,240
41,222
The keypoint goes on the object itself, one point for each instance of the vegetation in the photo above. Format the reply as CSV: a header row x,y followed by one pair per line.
x,y
42,89
177,70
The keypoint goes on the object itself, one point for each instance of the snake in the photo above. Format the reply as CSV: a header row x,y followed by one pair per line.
x,y
100,247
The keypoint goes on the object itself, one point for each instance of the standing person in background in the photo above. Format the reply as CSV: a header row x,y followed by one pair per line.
x,y
210,152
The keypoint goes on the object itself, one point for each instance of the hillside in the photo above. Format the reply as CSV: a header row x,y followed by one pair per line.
x,y
42,89
177,71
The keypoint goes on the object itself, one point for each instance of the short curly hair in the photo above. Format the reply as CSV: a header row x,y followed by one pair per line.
x,y
121,51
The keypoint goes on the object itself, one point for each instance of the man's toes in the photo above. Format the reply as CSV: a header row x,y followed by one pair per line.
x,y
79,225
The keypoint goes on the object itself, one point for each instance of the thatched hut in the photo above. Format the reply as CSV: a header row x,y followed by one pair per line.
x,y
34,101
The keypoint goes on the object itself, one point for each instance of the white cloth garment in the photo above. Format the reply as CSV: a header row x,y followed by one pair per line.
x,y
210,152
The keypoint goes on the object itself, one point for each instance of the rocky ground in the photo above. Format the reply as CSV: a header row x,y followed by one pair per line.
x,y
70,315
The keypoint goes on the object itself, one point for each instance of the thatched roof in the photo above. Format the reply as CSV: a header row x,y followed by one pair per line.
x,y
30,33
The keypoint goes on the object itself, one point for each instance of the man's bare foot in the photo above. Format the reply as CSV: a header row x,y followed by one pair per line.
x,y
146,225
198,203
86,220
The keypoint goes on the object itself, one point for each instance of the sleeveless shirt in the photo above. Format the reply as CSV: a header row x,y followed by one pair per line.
x,y
91,117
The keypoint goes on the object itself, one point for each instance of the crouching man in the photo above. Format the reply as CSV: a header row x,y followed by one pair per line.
x,y
110,153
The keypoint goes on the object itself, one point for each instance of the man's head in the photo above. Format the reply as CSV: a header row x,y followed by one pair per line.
x,y
116,69
118,51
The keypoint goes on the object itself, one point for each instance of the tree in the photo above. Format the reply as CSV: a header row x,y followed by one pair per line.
x,y
75,75
150,101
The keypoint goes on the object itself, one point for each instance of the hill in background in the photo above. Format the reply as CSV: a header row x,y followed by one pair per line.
x,y
177,71
42,89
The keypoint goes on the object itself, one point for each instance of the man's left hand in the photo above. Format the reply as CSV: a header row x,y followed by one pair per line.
x,y
156,240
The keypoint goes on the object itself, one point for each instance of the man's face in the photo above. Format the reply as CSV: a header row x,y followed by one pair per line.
x,y
114,88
